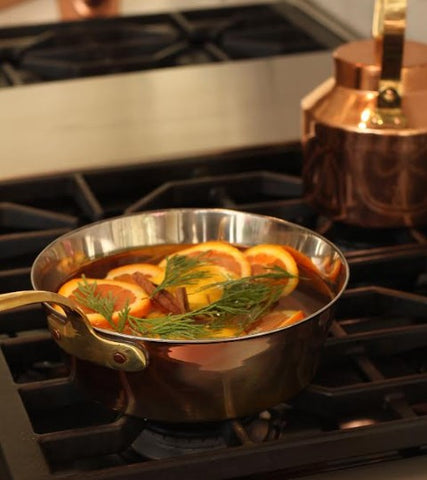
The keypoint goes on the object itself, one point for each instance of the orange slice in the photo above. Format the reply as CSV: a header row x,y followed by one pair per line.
x,y
302,259
122,292
330,269
124,273
204,291
270,321
277,319
219,253
265,256
318,277
224,333
283,317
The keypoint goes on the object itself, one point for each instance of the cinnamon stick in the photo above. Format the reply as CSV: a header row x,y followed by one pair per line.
x,y
163,299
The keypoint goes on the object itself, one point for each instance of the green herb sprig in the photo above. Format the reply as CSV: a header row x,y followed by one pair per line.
x,y
244,300
166,327
182,270
86,295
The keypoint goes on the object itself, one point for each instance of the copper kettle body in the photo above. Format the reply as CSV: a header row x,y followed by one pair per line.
x,y
365,130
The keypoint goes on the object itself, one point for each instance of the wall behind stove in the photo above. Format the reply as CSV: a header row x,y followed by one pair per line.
x,y
358,15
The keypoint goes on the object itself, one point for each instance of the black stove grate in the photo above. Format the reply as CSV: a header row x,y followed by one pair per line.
x,y
367,403
105,46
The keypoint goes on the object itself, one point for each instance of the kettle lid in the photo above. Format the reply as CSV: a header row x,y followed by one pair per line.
x,y
357,65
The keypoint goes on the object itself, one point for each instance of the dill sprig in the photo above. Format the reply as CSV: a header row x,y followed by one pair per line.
x,y
182,270
168,327
245,300
87,296
123,316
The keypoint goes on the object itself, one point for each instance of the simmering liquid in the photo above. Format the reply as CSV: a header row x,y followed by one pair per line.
x,y
311,294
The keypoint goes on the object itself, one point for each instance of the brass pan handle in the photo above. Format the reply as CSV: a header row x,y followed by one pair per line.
x,y
75,335
388,29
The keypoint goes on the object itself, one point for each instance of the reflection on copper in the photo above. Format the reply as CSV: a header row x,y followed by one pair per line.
x,y
79,9
364,118
369,179
221,356
360,422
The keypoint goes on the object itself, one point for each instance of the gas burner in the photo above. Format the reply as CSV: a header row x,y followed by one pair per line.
x,y
158,441
113,45
246,191
79,51
251,32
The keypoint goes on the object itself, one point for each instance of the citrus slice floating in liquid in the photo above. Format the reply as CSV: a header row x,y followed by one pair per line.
x,y
219,253
262,258
123,293
277,319
205,290
124,273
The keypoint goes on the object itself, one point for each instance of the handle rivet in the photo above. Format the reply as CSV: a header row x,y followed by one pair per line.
x,y
55,334
119,357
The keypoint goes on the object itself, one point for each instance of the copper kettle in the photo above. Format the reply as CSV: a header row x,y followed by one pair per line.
x,y
365,130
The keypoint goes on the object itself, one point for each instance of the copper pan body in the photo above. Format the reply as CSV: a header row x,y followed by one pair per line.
x,y
356,169
194,380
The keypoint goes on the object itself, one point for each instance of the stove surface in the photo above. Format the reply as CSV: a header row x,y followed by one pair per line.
x,y
132,89
41,53
367,404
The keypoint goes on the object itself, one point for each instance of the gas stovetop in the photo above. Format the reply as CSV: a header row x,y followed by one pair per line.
x,y
40,53
367,403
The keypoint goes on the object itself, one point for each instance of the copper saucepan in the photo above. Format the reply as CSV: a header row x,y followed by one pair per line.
x,y
177,380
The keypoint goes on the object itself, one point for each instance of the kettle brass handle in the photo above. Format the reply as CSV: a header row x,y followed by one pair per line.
x,y
74,333
388,29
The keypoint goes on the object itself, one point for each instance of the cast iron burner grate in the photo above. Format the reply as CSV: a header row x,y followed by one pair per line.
x,y
369,396
106,46
367,403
